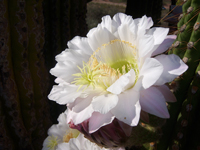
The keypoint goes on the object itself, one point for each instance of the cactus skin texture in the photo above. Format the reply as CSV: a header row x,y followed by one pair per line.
x,y
31,34
179,129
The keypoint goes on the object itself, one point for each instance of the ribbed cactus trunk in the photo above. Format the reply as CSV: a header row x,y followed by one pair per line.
x,y
180,131
139,8
32,32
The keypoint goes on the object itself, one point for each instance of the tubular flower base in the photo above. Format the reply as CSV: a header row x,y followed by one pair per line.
x,y
118,72
61,137
119,134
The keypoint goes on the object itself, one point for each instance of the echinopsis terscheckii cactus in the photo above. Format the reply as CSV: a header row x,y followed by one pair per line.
x,y
179,132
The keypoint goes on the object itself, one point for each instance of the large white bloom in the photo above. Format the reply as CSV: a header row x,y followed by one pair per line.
x,y
116,71
61,137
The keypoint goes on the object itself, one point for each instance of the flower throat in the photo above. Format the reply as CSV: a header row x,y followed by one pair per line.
x,y
107,64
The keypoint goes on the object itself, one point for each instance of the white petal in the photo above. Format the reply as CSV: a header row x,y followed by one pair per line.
x,y
64,94
151,71
144,24
128,108
146,44
80,116
62,119
81,103
75,56
125,33
131,79
159,34
164,45
99,37
64,146
168,95
124,81
58,130
173,67
64,71
98,120
153,102
121,18
80,43
104,103
107,22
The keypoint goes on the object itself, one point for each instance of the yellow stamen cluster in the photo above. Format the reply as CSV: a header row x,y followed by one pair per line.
x,y
87,76
107,64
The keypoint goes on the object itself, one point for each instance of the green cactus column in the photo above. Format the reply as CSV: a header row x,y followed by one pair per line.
x,y
10,97
183,112
32,33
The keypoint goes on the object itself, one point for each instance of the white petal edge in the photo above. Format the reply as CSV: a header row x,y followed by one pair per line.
x,y
107,23
151,72
153,102
159,34
98,120
173,67
80,116
119,85
80,43
121,18
168,95
104,103
81,103
128,108
145,45
98,37
144,23
63,94
164,45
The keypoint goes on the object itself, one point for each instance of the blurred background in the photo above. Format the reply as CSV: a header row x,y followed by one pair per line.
x,y
32,33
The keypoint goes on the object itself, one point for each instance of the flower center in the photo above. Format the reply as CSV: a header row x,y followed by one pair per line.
x,y
52,142
107,64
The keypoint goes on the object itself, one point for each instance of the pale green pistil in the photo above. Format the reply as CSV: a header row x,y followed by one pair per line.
x,y
119,65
